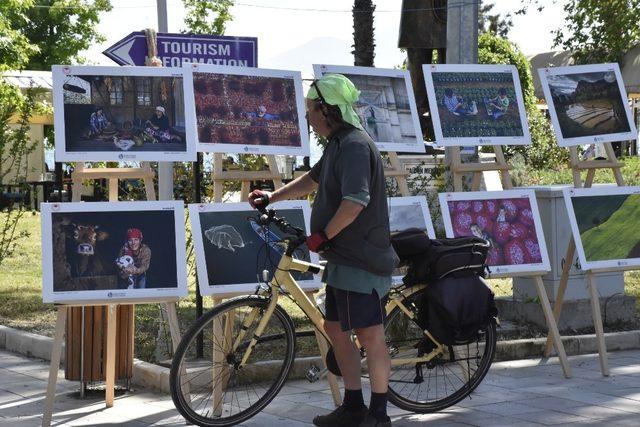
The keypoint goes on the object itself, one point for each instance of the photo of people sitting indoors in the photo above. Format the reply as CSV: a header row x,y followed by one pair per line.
x,y
124,113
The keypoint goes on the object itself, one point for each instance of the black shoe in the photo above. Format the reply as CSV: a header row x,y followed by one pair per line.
x,y
371,421
341,417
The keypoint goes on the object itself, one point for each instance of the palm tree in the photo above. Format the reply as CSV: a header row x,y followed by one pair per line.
x,y
363,42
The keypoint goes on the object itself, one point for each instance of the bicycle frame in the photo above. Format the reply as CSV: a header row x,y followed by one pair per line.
x,y
284,280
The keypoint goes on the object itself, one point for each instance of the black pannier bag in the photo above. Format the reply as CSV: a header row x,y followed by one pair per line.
x,y
431,259
457,302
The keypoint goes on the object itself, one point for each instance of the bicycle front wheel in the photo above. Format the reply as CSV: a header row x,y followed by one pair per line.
x,y
209,385
443,381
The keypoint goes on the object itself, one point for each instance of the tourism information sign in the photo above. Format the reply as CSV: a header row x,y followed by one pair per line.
x,y
174,50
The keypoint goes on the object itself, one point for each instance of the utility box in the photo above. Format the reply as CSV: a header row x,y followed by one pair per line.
x,y
557,232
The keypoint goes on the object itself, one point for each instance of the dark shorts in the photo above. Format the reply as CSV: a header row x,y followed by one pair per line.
x,y
354,310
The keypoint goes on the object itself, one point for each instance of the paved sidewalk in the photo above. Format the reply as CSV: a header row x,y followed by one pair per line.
x,y
520,393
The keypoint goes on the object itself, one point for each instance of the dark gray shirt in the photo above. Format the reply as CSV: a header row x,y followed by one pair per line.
x,y
351,168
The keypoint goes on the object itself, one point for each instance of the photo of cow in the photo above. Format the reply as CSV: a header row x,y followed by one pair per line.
x,y
386,105
247,110
587,104
119,113
233,250
476,104
111,254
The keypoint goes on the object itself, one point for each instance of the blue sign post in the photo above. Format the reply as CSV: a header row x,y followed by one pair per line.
x,y
174,50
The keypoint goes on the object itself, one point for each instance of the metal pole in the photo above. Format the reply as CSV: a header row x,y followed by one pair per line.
x,y
165,169
197,184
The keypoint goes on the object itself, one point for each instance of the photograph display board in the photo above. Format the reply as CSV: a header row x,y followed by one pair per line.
x,y
587,104
232,250
108,252
120,114
509,220
476,104
604,221
246,110
405,213
386,106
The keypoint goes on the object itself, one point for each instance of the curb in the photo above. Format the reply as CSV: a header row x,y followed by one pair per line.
x,y
156,377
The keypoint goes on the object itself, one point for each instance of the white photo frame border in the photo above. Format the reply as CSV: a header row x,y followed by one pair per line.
x,y
191,119
600,190
419,146
429,69
516,270
62,155
581,69
113,296
234,289
419,202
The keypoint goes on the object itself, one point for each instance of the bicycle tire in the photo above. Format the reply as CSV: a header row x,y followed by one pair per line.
x,y
191,335
460,393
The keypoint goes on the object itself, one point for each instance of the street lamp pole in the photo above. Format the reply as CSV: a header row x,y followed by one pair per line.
x,y
165,169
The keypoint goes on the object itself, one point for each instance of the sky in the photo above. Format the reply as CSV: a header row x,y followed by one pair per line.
x,y
294,34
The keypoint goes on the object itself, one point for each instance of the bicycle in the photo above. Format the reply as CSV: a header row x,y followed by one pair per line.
x,y
252,349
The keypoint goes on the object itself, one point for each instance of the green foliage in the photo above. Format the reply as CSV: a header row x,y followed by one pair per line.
x,y
599,31
199,16
493,23
544,152
61,29
15,48
15,146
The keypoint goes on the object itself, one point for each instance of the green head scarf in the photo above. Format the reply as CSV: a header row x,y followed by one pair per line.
x,y
338,90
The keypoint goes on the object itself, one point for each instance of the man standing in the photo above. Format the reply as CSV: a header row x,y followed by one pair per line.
x,y
350,228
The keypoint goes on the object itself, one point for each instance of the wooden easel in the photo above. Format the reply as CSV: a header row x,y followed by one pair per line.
x,y
245,177
81,173
458,169
398,173
577,166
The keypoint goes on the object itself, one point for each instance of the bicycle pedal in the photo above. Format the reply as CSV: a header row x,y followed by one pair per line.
x,y
313,374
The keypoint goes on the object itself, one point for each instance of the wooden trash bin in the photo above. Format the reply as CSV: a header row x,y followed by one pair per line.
x,y
95,338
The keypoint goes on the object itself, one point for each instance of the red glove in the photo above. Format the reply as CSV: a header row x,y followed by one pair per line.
x,y
318,242
259,196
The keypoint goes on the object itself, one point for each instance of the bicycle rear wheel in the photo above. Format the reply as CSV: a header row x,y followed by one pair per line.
x,y
209,387
443,381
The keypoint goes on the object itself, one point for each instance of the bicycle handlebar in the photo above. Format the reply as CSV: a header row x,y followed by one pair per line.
x,y
268,216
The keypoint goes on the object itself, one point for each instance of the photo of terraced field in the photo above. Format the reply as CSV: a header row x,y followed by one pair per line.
x,y
588,104
608,226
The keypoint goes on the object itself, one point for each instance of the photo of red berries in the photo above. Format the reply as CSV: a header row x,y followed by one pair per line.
x,y
507,223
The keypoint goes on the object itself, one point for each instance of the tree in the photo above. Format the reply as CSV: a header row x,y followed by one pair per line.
x,y
599,31
363,40
544,152
15,48
61,29
495,24
199,14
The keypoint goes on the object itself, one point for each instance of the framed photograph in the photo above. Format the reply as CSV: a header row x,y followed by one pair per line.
x,y
120,114
603,221
246,110
108,252
588,104
232,250
475,104
508,219
405,213
386,107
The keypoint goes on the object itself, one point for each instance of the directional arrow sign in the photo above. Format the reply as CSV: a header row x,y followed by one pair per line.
x,y
177,49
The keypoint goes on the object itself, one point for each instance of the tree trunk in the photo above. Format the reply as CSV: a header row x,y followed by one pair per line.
x,y
363,42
